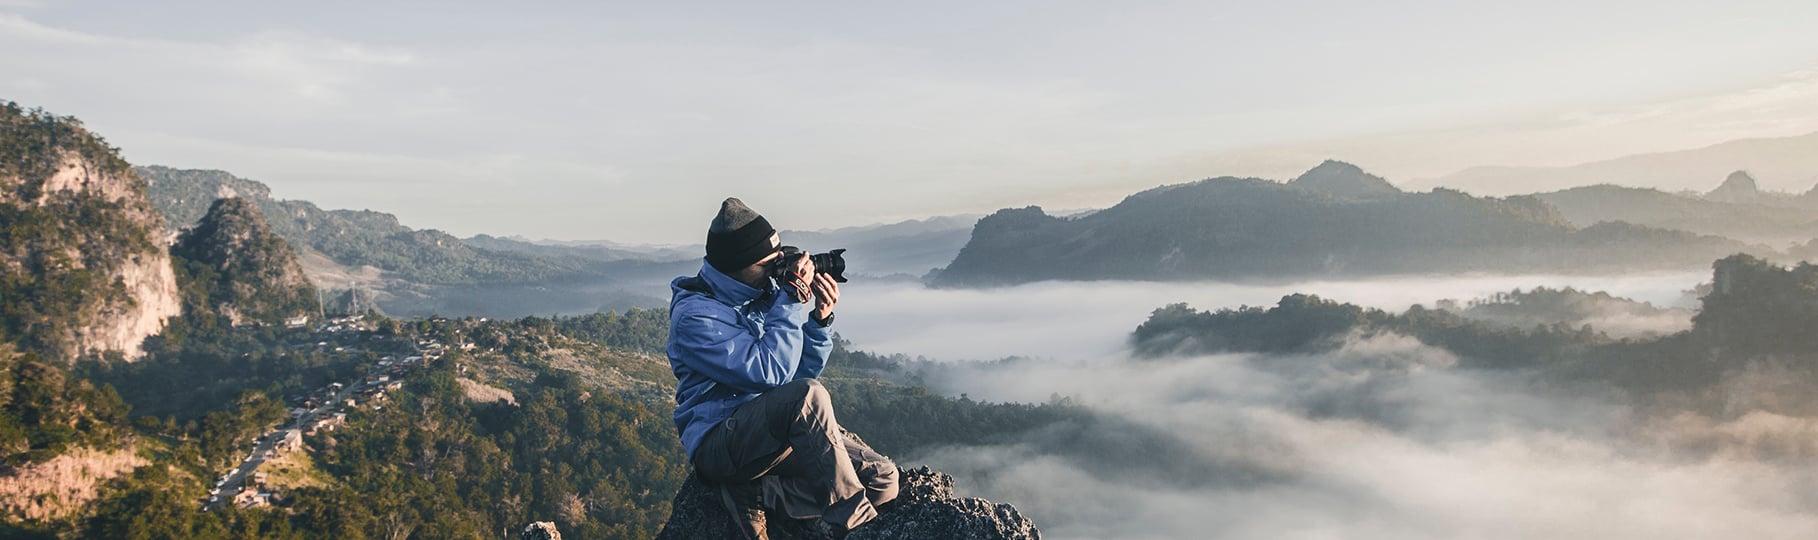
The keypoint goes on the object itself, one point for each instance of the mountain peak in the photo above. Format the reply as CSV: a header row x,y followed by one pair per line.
x,y
1738,187
250,274
1344,180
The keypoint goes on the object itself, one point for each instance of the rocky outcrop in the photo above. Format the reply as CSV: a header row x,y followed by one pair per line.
x,y
84,250
1344,180
541,530
925,507
61,486
248,273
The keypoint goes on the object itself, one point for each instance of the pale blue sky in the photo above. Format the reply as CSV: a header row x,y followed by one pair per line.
x,y
590,120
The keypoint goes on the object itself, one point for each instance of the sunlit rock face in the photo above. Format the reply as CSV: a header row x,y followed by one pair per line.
x,y
83,243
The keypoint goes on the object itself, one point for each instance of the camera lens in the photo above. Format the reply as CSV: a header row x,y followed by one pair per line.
x,y
832,263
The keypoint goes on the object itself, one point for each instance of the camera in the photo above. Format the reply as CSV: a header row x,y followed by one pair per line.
x,y
832,263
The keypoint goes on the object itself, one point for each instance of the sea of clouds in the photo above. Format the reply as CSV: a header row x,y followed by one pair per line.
x,y
1381,438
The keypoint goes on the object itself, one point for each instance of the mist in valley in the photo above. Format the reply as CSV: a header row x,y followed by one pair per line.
x,y
1381,437
1091,321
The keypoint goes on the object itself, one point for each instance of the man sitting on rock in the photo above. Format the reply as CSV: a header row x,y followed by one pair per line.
x,y
753,418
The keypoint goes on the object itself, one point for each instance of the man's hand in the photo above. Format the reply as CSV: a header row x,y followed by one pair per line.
x,y
826,295
801,286
804,267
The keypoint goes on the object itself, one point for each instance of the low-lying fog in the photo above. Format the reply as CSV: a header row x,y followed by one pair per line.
x,y
1376,440
1091,320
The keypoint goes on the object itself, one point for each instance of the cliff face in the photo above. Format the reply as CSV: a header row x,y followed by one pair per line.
x,y
925,507
83,268
60,487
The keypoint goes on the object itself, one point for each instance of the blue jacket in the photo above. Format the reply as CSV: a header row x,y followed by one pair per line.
x,y
729,342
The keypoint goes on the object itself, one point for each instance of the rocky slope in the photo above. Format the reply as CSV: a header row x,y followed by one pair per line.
x,y
81,239
925,508
61,486
241,269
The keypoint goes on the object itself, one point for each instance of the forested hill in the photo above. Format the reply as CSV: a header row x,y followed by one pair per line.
x,y
1233,228
231,264
1756,314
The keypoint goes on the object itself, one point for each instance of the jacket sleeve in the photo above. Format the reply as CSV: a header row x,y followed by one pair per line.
x,y
715,343
819,344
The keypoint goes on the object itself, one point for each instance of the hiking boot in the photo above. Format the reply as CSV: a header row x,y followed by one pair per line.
x,y
743,504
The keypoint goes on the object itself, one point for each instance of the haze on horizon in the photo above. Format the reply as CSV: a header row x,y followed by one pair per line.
x,y
628,122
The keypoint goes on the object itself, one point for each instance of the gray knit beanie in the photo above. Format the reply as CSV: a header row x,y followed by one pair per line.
x,y
738,237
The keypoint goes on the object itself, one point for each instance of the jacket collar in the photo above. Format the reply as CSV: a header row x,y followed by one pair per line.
x,y
727,289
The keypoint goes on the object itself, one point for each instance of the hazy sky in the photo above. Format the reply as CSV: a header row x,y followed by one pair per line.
x,y
591,120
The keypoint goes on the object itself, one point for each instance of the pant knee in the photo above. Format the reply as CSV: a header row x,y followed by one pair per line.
x,y
812,394
817,394
884,486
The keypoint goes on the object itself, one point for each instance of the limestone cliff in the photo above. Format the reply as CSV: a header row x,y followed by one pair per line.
x,y
83,266
61,486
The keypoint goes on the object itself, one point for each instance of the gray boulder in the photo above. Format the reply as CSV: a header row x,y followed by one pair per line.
x,y
541,530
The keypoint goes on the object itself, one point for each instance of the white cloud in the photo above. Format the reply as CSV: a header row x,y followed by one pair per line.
x,y
1377,439
1408,454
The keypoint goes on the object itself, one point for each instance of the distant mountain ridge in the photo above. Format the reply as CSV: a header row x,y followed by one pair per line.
x,y
904,248
365,259
1737,208
1235,228
907,248
349,237
1784,163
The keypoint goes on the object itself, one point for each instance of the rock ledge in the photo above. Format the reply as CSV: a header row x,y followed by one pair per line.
x,y
925,508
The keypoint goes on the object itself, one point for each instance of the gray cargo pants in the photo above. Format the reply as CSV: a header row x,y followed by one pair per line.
x,y
788,441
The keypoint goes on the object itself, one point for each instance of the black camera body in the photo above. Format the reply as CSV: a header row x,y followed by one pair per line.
x,y
832,263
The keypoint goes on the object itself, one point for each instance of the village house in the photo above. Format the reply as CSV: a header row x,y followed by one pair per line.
x,y
327,423
291,441
249,497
